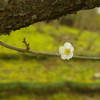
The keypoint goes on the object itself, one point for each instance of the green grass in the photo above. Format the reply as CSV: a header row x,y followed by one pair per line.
x,y
57,96
34,70
16,67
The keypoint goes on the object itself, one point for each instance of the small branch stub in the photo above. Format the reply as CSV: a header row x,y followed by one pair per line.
x,y
26,44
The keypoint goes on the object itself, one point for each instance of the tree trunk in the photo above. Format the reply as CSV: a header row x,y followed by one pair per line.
x,y
15,14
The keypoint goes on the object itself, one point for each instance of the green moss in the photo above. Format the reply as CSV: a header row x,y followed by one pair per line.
x,y
34,17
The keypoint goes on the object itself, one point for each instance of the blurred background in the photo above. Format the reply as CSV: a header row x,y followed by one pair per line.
x,y
30,77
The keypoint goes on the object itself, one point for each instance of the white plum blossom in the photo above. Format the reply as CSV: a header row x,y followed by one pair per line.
x,y
66,51
97,75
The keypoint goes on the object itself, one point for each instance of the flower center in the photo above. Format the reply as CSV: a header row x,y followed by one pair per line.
x,y
67,51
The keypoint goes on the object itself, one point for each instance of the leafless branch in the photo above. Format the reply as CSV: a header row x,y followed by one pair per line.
x,y
26,44
43,53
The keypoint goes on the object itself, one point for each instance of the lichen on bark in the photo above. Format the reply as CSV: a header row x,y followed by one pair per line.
x,y
15,14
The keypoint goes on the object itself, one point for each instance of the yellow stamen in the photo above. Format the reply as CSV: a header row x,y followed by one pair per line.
x,y
67,51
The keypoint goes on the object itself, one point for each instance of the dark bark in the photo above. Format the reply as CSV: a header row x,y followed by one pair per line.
x,y
15,14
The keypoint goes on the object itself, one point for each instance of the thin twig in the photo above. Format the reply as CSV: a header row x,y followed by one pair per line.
x,y
26,44
44,53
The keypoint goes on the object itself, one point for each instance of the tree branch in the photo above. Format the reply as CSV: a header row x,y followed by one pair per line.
x,y
44,53
16,14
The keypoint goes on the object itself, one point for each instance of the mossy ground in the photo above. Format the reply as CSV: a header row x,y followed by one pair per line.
x,y
16,67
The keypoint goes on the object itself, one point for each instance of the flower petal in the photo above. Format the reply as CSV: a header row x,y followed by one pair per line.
x,y
64,57
70,56
72,49
67,45
61,49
